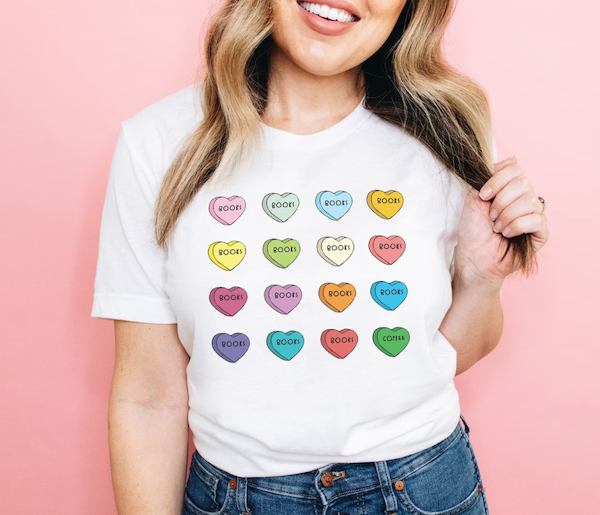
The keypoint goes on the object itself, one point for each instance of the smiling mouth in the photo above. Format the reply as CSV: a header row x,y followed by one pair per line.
x,y
329,13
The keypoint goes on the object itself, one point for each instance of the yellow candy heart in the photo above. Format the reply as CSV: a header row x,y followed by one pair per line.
x,y
227,255
385,204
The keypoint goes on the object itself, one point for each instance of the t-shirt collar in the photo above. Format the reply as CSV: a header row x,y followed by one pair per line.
x,y
279,140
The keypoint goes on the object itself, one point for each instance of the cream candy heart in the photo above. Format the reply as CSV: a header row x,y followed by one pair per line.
x,y
335,251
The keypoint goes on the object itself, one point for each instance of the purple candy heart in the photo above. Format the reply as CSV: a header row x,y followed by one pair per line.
x,y
283,299
231,347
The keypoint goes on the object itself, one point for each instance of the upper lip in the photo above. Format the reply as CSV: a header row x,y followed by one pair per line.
x,y
337,4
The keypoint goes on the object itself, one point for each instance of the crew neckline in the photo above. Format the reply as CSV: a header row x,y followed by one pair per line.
x,y
278,139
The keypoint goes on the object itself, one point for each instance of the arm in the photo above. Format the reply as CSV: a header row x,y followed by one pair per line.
x,y
147,419
473,324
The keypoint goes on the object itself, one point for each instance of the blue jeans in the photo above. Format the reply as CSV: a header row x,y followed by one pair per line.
x,y
441,480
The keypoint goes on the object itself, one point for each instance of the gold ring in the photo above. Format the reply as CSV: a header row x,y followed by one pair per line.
x,y
543,201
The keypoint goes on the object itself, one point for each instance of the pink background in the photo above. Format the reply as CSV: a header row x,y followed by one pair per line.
x,y
72,71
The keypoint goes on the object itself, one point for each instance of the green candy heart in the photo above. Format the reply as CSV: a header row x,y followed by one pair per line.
x,y
391,341
281,253
280,207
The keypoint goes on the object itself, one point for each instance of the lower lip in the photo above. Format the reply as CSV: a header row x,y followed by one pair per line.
x,y
323,26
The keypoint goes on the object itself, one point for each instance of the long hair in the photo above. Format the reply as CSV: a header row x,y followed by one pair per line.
x,y
407,82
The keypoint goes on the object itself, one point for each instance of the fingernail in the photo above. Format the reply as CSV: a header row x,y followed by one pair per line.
x,y
506,232
497,227
493,215
485,194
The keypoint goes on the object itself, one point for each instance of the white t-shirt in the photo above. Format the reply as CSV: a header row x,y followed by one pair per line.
x,y
308,289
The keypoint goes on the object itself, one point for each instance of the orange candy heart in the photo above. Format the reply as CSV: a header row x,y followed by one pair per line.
x,y
337,297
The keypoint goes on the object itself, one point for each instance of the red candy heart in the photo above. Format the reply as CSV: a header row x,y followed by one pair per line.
x,y
387,250
339,343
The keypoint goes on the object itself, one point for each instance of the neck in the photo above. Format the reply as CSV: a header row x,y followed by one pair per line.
x,y
301,102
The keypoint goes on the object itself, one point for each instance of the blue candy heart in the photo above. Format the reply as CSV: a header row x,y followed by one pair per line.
x,y
389,295
334,205
285,345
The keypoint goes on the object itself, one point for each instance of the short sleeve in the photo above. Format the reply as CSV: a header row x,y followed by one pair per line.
x,y
130,272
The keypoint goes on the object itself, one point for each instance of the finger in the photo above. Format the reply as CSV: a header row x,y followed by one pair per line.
x,y
501,164
500,179
512,191
529,224
526,204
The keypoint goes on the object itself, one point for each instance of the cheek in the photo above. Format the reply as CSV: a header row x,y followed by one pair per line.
x,y
383,15
385,8
382,18
386,14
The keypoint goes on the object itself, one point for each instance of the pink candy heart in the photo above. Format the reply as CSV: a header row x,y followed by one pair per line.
x,y
228,300
227,210
283,299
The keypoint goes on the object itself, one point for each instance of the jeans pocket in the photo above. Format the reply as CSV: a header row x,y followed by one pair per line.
x,y
206,493
447,484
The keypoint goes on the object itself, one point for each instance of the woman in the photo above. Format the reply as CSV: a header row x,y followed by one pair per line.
x,y
299,265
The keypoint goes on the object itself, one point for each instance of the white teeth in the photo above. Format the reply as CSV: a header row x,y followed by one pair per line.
x,y
324,11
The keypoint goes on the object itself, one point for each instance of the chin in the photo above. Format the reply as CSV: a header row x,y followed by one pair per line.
x,y
323,69
319,62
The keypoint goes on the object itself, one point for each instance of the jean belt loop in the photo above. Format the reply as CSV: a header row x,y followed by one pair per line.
x,y
241,496
465,423
385,481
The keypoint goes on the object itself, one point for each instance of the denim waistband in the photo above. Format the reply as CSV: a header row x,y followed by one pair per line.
x,y
358,476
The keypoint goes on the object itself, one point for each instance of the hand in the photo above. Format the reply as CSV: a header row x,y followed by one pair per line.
x,y
485,227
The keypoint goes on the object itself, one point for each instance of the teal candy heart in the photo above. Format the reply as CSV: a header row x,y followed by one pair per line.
x,y
389,295
280,207
285,345
334,205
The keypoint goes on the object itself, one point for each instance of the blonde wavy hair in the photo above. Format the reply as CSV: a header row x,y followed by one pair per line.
x,y
407,82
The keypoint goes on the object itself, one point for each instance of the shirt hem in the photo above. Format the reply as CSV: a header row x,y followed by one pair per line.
x,y
444,412
133,309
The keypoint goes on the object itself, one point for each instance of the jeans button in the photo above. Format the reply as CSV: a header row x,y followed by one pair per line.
x,y
327,479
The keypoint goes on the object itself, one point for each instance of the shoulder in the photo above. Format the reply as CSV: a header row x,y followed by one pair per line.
x,y
155,132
